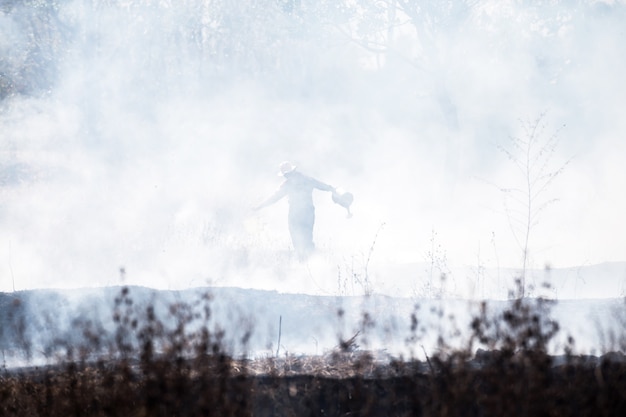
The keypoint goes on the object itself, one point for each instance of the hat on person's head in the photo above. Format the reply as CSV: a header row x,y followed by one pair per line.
x,y
286,167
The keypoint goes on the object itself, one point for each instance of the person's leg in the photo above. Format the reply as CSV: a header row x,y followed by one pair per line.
x,y
301,231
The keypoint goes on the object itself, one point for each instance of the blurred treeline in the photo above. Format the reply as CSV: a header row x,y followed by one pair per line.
x,y
296,45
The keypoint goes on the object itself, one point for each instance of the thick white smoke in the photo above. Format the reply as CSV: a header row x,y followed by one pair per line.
x,y
166,124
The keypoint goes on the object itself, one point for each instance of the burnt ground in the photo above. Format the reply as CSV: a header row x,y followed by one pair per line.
x,y
490,384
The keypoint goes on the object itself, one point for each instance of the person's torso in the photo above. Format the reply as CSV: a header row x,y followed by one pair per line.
x,y
299,189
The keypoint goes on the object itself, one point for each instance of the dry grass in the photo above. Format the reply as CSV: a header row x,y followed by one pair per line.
x,y
179,367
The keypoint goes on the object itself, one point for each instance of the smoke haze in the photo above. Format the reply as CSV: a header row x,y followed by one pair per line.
x,y
152,128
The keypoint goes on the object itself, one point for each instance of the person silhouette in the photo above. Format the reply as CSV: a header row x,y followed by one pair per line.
x,y
298,188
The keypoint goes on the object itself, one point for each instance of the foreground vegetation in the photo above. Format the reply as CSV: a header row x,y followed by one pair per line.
x,y
176,365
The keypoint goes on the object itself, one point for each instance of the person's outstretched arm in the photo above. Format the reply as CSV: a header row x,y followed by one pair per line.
x,y
321,185
280,193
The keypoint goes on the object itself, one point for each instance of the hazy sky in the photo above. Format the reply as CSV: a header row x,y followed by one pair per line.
x,y
166,124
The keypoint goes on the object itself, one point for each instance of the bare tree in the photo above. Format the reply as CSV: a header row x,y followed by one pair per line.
x,y
532,155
